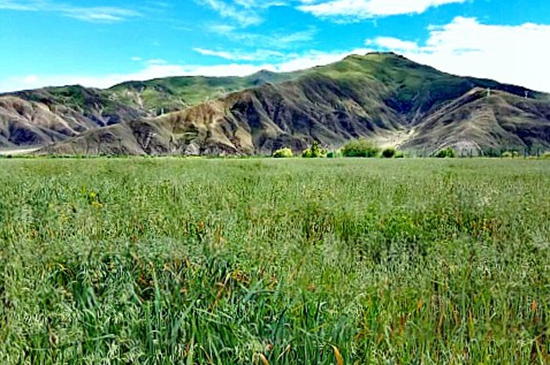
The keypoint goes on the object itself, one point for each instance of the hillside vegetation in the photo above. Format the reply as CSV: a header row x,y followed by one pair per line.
x,y
380,96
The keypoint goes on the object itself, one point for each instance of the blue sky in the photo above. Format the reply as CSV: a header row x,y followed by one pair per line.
x,y
101,43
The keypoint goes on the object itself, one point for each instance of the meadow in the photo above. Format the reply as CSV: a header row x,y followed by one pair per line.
x,y
342,261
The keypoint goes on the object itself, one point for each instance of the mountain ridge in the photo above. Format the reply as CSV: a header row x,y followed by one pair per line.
x,y
380,96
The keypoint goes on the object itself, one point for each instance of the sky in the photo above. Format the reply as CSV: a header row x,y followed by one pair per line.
x,y
101,43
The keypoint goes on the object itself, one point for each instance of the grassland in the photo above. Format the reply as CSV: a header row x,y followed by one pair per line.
x,y
167,261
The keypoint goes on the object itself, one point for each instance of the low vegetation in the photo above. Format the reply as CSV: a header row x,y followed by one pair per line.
x,y
360,148
510,154
446,153
283,153
315,151
163,261
389,153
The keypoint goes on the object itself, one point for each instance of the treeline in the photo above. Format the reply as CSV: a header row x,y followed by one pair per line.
x,y
367,149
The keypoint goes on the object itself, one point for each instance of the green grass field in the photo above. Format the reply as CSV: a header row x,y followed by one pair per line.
x,y
174,261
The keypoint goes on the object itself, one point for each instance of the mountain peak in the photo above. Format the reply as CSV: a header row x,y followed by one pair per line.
x,y
379,56
263,72
371,95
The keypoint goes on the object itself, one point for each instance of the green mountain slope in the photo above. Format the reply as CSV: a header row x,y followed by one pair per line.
x,y
165,95
383,97
380,96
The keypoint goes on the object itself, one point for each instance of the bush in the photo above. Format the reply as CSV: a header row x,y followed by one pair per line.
x,y
360,148
510,154
446,153
332,154
399,154
314,151
283,153
546,156
490,152
389,153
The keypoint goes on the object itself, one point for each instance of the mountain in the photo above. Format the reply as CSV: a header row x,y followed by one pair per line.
x,y
37,118
480,120
177,93
40,117
380,96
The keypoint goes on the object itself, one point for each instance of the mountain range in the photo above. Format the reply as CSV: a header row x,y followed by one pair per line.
x,y
383,97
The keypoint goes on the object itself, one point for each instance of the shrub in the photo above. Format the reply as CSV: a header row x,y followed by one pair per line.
x,y
314,151
510,154
399,154
332,154
490,152
283,153
389,153
446,153
360,148
546,156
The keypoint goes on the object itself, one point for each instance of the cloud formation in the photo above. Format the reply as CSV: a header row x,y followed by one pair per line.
x,y
512,54
155,69
240,12
94,14
363,9
277,40
258,55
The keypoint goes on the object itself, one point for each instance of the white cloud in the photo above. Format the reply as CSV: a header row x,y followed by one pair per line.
x,y
258,55
512,54
239,12
94,14
363,9
29,80
19,5
156,61
316,58
242,13
394,43
157,70
276,40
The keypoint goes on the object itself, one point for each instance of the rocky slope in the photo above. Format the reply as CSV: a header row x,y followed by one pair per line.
x,y
37,118
380,96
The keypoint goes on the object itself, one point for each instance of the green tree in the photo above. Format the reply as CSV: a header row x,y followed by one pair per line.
x,y
315,151
389,153
360,148
283,153
446,153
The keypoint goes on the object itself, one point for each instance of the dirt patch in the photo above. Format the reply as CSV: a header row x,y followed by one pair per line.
x,y
18,151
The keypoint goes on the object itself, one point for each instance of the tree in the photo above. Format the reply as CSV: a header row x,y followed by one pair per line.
x,y
314,151
283,153
360,148
389,153
446,153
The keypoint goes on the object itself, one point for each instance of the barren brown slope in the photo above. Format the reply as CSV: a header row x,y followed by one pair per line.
x,y
44,116
292,114
375,96
41,117
259,120
482,120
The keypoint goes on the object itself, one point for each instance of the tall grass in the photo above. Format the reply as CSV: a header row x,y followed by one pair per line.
x,y
274,262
